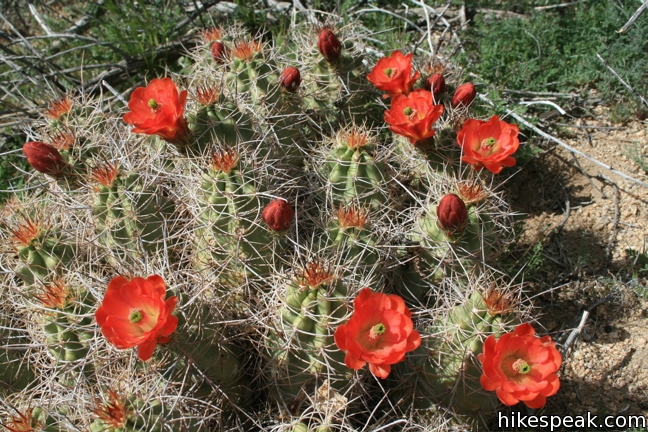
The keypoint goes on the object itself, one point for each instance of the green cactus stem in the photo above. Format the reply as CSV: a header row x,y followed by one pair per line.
x,y
44,252
232,236
352,172
133,414
133,218
301,344
444,254
252,74
218,122
445,368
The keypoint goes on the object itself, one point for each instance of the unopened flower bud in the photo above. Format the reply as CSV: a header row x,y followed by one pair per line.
x,y
329,45
278,215
452,214
44,158
464,95
219,52
436,85
290,79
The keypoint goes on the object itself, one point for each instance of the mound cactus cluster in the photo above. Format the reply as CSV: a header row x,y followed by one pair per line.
x,y
232,250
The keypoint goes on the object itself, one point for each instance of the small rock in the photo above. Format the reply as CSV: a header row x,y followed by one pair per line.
x,y
226,7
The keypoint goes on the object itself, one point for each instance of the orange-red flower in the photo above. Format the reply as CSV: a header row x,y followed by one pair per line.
x,y
412,116
521,367
158,110
379,332
488,144
393,74
135,313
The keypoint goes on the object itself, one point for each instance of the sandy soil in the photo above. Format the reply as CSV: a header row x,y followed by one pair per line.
x,y
582,222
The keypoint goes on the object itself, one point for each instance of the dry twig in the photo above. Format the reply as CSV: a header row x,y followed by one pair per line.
x,y
634,17
622,81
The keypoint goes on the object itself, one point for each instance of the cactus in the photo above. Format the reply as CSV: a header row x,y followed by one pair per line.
x,y
446,368
232,236
131,215
353,174
219,122
67,326
44,252
301,343
133,414
282,196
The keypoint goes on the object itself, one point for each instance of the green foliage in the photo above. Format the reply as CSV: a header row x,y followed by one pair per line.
x,y
11,164
635,154
555,50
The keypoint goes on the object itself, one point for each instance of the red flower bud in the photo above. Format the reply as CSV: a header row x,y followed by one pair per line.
x,y
278,215
329,45
452,214
435,84
290,79
219,52
44,158
464,95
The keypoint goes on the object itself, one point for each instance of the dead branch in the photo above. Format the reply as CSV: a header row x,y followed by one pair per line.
x,y
634,17
621,80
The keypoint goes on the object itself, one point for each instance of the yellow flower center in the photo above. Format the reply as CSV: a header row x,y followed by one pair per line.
x,y
408,111
522,367
376,331
389,72
153,104
136,316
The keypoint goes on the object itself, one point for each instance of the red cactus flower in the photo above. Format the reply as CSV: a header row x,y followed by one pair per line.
x,y
435,84
393,74
380,332
44,158
219,52
521,367
329,45
135,313
412,116
290,79
488,144
464,95
278,215
452,214
158,110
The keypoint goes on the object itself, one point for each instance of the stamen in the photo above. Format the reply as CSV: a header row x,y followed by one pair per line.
x,y
376,331
522,367
136,316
